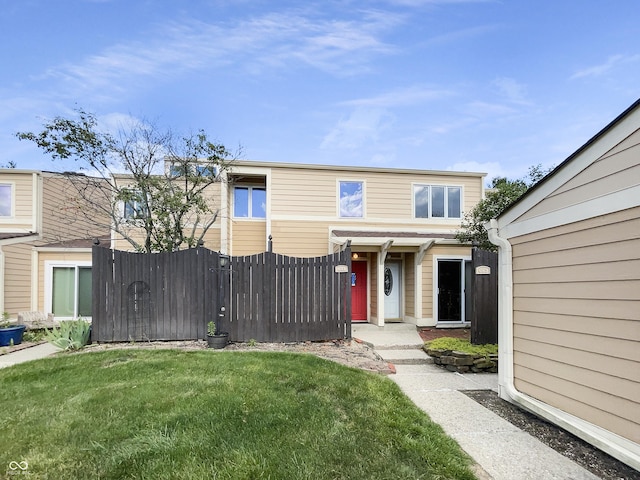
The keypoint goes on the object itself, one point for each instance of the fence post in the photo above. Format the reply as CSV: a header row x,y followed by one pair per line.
x,y
346,279
484,281
222,268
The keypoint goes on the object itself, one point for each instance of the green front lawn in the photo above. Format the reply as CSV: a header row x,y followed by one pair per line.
x,y
157,414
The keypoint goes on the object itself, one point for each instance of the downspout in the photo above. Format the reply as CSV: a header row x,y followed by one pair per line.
x,y
615,445
506,388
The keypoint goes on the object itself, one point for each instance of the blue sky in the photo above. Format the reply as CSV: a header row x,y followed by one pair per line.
x,y
489,86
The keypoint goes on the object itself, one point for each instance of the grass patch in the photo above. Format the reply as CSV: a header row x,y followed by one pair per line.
x,y
460,345
223,415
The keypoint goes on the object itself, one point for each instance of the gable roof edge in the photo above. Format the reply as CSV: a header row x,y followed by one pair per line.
x,y
623,125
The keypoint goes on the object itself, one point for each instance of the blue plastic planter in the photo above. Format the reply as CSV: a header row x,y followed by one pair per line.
x,y
11,335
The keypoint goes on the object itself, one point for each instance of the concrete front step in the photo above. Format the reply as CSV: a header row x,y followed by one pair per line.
x,y
406,356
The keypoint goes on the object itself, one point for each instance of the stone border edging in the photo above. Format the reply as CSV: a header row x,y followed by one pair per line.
x,y
462,362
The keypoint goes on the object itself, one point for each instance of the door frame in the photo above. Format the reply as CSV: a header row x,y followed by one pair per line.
x,y
463,259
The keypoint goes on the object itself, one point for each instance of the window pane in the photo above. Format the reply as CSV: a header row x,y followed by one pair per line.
x,y
437,201
351,199
5,200
64,281
206,170
258,203
240,202
453,205
129,210
421,198
84,291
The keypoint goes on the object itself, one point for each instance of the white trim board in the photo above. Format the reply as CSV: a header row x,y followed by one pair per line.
x,y
603,205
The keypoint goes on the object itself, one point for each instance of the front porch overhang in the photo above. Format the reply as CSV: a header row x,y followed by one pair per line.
x,y
383,242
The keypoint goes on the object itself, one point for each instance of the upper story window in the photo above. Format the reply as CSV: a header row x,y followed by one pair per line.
x,y
179,170
133,209
249,202
437,201
351,200
134,205
6,194
207,170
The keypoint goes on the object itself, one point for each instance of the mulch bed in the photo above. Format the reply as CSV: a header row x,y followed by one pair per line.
x,y
563,442
431,333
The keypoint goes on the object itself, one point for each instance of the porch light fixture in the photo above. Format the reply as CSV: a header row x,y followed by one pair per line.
x,y
354,256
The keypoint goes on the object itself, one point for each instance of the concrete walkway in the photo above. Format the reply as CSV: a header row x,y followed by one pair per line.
x,y
26,354
501,450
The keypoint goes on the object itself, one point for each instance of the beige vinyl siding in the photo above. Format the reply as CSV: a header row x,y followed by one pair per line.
x,y
427,286
300,238
24,198
388,195
409,285
17,278
249,237
67,256
212,238
65,216
576,319
373,281
615,171
297,192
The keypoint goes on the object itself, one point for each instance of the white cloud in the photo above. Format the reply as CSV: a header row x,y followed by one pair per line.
x,y
421,3
514,92
483,110
408,96
611,63
363,127
277,40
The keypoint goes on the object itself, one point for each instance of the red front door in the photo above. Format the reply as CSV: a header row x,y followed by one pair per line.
x,y
358,291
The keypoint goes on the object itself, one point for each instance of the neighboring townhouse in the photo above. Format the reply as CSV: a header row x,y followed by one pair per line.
x,y
407,265
45,245
569,303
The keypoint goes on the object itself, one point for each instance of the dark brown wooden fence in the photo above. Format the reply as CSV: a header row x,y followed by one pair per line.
x,y
158,296
484,285
285,299
266,297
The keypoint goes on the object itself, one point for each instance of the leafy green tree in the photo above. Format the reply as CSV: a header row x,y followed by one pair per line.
x,y
502,193
151,188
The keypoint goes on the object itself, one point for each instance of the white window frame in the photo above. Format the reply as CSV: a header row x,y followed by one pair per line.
x,y
339,183
446,201
250,189
123,211
12,199
49,265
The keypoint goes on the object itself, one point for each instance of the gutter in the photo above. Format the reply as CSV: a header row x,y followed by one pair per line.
x,y
619,447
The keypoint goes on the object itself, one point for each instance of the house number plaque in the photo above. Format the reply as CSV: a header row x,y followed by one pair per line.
x,y
483,270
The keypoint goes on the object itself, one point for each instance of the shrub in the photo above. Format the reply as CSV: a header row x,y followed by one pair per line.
x,y
460,345
71,335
